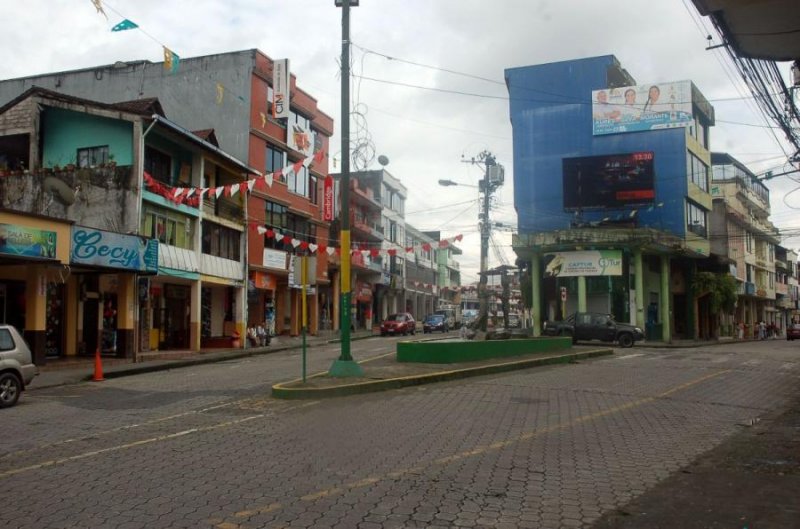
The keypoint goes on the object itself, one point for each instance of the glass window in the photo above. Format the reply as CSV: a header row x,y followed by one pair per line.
x,y
6,342
298,183
221,241
695,219
158,164
92,156
276,159
168,227
697,171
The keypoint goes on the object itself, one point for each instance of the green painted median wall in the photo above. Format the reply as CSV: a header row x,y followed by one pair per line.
x,y
441,352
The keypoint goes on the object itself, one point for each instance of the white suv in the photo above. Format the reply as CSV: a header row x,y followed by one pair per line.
x,y
16,365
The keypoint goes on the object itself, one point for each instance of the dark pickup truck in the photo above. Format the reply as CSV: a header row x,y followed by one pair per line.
x,y
594,326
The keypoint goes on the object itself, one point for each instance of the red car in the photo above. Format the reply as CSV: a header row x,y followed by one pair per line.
x,y
400,323
793,331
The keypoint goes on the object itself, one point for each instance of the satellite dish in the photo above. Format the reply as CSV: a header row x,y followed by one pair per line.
x,y
383,160
59,189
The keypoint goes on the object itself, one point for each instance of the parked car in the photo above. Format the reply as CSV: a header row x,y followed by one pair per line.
x,y
435,322
16,365
595,326
793,331
400,323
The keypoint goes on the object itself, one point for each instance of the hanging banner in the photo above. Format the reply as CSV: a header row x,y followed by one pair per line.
x,y
589,263
642,107
280,88
327,199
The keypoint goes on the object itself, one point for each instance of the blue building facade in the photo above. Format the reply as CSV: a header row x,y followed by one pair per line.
x,y
596,170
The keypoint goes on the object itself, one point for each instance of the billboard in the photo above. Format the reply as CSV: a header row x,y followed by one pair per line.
x,y
641,107
21,241
610,181
589,263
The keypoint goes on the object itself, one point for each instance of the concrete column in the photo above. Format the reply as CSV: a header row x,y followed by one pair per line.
x,y
666,312
240,316
536,295
71,317
638,272
194,315
581,293
126,314
36,311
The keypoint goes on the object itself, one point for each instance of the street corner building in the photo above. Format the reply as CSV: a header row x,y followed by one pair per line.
x,y
612,189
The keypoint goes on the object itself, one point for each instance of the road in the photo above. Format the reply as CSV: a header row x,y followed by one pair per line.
x,y
547,447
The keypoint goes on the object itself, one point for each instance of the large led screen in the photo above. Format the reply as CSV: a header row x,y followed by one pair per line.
x,y
611,181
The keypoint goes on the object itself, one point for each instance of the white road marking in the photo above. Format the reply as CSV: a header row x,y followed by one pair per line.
x,y
630,356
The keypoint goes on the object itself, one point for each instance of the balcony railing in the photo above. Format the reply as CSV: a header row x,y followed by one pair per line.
x,y
226,208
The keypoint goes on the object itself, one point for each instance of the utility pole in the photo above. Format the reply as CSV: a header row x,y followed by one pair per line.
x,y
345,366
493,178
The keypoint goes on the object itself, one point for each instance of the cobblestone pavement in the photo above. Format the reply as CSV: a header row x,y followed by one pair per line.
x,y
547,447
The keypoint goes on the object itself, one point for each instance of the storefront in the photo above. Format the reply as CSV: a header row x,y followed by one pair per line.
x,y
105,266
261,299
34,253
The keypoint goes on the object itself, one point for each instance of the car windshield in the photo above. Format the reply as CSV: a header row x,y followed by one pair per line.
x,y
434,318
393,317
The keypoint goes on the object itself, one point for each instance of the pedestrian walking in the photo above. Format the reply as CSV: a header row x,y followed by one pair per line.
x,y
741,330
762,330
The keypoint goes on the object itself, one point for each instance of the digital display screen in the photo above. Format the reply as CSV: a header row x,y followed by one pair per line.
x,y
610,181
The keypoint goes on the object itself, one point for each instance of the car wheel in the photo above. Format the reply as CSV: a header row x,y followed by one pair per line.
x,y
10,388
625,340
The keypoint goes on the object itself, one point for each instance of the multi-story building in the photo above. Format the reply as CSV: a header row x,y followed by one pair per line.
x,y
448,271
147,269
421,273
743,233
611,184
232,94
786,285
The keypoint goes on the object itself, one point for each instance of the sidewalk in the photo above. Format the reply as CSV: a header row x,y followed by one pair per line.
x,y
81,369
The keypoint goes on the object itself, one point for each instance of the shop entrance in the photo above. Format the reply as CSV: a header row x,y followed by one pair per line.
x,y
12,304
90,319
174,317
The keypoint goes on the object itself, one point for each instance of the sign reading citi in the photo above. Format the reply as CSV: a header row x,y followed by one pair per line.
x,y
591,263
113,250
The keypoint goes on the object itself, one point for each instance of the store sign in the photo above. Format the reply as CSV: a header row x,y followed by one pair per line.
x,y
274,259
264,281
590,263
113,250
642,107
327,199
21,241
280,82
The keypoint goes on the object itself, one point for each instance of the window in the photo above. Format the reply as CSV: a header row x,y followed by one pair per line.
x,y
748,239
697,171
158,164
275,218
168,227
221,241
6,341
275,159
313,194
695,219
749,273
699,132
92,156
298,183
393,232
301,228
299,119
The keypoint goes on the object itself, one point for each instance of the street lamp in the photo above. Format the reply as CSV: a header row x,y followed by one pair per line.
x,y
345,366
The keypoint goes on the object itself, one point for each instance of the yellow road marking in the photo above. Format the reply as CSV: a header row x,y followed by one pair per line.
x,y
269,508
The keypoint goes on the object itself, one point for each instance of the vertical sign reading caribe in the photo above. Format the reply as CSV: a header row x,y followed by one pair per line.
x,y
280,88
327,199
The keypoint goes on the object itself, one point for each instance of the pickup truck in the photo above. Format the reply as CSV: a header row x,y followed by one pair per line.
x,y
594,326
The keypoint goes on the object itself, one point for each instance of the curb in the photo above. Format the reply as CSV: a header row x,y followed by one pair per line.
x,y
200,359
281,391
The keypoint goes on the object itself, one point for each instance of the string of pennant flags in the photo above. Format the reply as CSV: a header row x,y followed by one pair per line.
x,y
191,196
272,233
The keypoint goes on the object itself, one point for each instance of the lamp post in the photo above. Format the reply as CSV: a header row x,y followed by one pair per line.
x,y
345,366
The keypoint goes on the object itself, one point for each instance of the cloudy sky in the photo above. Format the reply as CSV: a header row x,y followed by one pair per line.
x,y
425,134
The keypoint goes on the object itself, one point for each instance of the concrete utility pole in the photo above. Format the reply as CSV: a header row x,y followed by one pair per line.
x,y
493,178
345,366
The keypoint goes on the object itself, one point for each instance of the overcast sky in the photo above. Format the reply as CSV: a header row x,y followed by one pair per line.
x,y
425,134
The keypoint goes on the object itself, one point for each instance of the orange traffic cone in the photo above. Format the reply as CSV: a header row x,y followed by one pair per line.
x,y
98,367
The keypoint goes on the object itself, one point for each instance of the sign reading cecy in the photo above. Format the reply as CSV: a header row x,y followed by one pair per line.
x,y
590,263
113,250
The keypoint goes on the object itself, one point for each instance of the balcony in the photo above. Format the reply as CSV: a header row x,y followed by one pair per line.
x,y
364,196
228,208
369,230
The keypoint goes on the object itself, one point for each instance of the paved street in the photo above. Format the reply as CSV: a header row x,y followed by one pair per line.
x,y
548,447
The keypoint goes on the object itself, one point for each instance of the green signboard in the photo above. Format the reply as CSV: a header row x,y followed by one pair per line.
x,y
21,241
